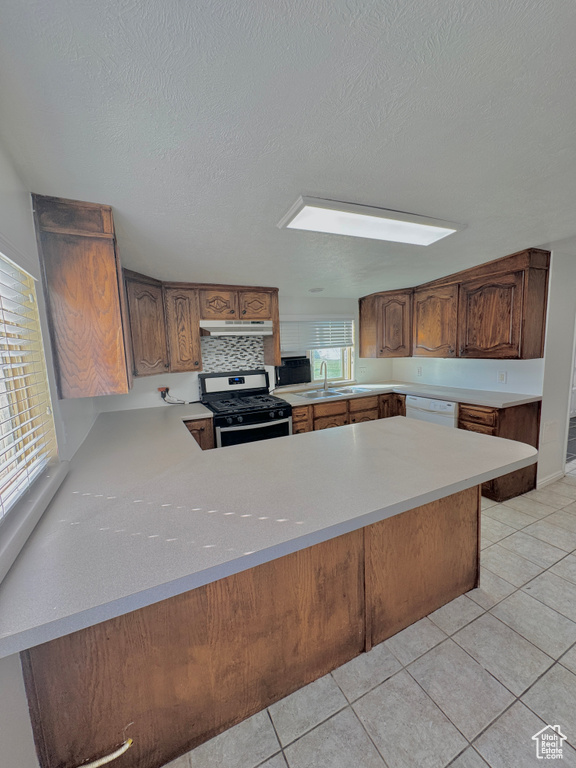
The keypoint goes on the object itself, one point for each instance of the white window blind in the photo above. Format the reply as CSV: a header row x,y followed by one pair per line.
x,y
27,437
302,335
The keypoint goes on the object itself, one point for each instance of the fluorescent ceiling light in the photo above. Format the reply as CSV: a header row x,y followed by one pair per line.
x,y
316,215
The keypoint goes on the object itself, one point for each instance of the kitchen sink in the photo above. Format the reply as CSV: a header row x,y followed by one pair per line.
x,y
351,390
318,394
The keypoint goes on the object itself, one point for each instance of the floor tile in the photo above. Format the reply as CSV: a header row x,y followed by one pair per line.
x,y
180,762
302,710
542,626
487,503
246,745
366,671
529,507
514,661
509,516
508,742
494,529
545,496
569,660
278,761
532,549
484,542
509,566
407,727
553,699
564,519
551,534
568,480
566,568
562,489
449,676
415,640
555,592
456,614
341,742
492,589
469,759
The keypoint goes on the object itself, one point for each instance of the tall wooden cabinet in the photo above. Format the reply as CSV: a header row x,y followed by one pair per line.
x,y
147,325
495,310
182,328
85,297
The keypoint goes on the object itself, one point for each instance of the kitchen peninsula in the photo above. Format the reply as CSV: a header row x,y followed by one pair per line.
x,y
194,588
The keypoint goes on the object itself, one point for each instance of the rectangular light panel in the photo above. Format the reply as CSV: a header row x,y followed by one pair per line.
x,y
316,215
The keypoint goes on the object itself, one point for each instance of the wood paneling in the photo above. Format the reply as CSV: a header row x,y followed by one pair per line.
x,y
187,668
147,328
272,353
394,324
80,276
419,561
182,327
490,321
202,430
435,321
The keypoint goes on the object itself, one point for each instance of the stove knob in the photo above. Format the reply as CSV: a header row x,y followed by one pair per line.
x,y
280,414
229,420
239,419
272,414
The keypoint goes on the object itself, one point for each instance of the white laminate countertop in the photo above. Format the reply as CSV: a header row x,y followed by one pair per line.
x,y
144,514
490,398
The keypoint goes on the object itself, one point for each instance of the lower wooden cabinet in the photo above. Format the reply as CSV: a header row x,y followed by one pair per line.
x,y
302,420
337,413
521,423
363,409
202,431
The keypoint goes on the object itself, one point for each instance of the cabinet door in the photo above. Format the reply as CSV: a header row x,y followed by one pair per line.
x,y
359,416
147,328
203,432
435,322
183,331
384,405
491,317
255,305
218,305
301,419
397,405
393,324
327,422
85,297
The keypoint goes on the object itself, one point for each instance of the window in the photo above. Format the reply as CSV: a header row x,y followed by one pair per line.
x,y
329,340
27,437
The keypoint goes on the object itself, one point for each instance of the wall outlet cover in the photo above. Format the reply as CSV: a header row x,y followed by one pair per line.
x,y
502,377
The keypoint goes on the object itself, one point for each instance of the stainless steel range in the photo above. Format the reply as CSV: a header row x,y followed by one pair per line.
x,y
244,411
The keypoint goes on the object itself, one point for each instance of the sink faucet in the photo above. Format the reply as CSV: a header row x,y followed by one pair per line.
x,y
323,363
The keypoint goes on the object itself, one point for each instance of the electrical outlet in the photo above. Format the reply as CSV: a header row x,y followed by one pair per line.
x,y
361,370
502,377
419,371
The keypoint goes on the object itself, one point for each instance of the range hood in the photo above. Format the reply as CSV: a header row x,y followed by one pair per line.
x,y
236,327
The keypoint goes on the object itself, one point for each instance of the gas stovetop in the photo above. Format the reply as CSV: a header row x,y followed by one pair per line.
x,y
247,404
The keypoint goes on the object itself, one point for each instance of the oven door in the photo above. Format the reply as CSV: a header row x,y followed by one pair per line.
x,y
248,433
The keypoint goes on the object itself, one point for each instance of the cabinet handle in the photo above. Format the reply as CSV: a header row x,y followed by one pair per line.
x,y
196,362
231,312
202,429
243,311
166,365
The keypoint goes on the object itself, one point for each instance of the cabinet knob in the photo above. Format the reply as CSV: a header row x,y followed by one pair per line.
x,y
243,311
202,429
166,365
196,362
231,312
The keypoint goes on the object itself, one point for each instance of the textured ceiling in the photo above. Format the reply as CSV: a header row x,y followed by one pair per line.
x,y
201,121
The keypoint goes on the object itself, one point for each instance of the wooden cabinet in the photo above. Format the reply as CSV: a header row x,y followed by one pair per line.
x,y
328,415
202,430
363,409
302,419
491,316
255,305
217,303
521,423
435,321
85,298
397,405
496,310
182,327
147,325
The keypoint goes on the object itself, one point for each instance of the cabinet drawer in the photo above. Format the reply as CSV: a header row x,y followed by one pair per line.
x,y
300,413
482,428
299,427
478,415
363,403
326,422
359,416
330,409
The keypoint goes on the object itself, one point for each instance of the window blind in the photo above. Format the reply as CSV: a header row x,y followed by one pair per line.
x,y
302,335
27,436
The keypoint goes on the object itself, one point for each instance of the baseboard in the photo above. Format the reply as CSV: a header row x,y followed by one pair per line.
x,y
550,479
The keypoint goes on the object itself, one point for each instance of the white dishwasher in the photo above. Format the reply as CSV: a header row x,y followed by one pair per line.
x,y
436,411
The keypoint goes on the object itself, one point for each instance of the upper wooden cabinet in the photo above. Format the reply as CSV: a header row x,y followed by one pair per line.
x,y
182,327
147,326
85,298
495,310
435,321
221,304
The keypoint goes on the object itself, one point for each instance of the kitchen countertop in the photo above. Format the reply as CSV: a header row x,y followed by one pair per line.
x,y
144,514
489,398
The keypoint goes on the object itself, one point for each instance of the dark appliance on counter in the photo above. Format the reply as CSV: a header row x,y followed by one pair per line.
x,y
244,411
294,370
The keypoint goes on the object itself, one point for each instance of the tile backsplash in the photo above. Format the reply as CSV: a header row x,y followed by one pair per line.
x,y
230,353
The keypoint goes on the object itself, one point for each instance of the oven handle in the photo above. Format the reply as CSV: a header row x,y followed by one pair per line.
x,y
219,430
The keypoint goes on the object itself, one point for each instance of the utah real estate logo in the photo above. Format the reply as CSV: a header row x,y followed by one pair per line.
x,y
549,743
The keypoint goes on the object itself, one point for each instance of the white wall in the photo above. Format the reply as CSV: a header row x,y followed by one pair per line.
x,y
16,742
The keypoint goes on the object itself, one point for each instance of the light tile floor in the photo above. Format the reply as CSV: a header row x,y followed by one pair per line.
x,y
466,687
